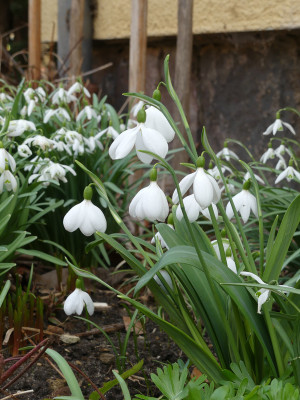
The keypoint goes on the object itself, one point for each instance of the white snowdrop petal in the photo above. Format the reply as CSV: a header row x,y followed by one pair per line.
x,y
184,185
192,209
123,144
289,126
151,140
88,302
263,297
74,217
281,176
216,189
231,264
268,130
70,302
134,202
245,212
203,190
297,174
156,120
277,126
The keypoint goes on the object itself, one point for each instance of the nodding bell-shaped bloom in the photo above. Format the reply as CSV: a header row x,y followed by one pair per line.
x,y
109,132
281,150
269,154
19,126
289,173
52,171
226,153
78,88
281,164
231,264
262,294
60,113
24,151
8,181
215,173
205,187
156,120
150,202
248,176
87,112
215,245
85,216
76,301
278,126
6,158
193,209
40,141
62,96
244,202
143,138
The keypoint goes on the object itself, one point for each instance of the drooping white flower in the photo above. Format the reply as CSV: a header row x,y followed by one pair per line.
x,y
62,96
248,176
87,112
158,237
8,181
5,97
150,202
40,141
215,173
231,264
289,173
156,120
281,164
24,151
52,171
76,301
36,163
142,138
78,88
244,202
85,216
60,113
281,150
19,126
193,209
269,154
215,245
6,158
109,132
205,187
278,126
32,97
262,294
227,154
165,275
92,142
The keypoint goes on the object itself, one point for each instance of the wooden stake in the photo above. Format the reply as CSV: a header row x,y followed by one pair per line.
x,y
183,68
138,46
76,36
34,38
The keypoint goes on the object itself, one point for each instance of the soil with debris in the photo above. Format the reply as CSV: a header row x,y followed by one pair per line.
x,y
93,354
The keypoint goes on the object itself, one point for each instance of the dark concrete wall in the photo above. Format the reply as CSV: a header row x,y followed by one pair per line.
x,y
238,81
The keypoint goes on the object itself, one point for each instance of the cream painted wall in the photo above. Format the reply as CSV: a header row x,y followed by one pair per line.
x,y
210,16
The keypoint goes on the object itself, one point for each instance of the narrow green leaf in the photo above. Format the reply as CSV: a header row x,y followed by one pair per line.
x,y
43,256
4,291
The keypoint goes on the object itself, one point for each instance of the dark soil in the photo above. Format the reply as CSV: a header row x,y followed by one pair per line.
x,y
94,355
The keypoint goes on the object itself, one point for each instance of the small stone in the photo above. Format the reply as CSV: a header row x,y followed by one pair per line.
x,y
107,358
69,339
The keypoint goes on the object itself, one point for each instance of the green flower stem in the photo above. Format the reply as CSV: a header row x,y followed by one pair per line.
x,y
176,100
218,234
274,339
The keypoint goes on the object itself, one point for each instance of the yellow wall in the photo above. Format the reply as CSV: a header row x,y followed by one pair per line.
x,y
210,16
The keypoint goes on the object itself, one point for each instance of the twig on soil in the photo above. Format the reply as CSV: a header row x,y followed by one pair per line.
x,y
12,396
88,379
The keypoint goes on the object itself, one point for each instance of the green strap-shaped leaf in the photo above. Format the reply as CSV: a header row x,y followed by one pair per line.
x,y
282,242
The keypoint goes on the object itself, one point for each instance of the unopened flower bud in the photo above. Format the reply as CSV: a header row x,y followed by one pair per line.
x,y
88,193
156,95
141,116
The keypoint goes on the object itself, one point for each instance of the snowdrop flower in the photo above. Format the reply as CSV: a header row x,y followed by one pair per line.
x,y
24,151
76,301
216,248
62,96
244,202
60,113
5,97
8,180
205,187
231,264
193,209
19,126
85,216
92,142
165,275
156,120
226,153
142,138
78,88
109,132
40,141
87,112
289,173
136,108
268,154
262,294
258,178
281,164
32,97
52,171
281,150
150,202
36,164
6,158
278,126
158,236
215,173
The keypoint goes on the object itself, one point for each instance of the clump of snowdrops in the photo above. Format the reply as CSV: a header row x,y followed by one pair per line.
x,y
232,281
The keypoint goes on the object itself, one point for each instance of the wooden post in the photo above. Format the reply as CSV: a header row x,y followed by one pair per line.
x,y
34,38
183,68
76,36
138,46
